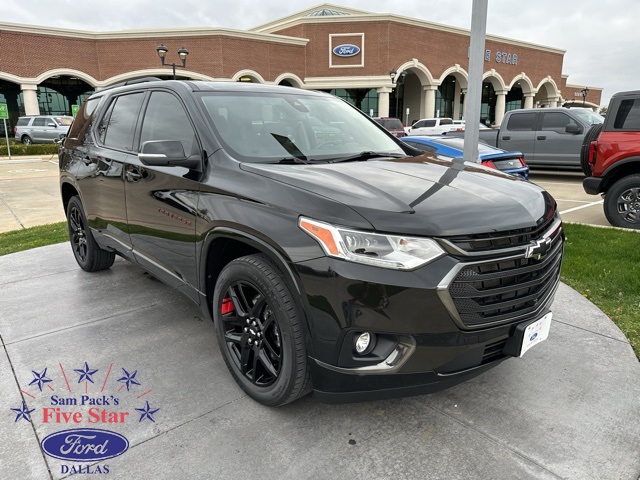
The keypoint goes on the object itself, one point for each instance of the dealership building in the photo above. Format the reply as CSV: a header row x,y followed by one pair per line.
x,y
385,64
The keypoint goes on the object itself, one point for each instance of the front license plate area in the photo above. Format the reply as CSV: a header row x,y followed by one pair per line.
x,y
528,335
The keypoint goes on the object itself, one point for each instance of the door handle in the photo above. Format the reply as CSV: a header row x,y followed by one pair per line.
x,y
541,137
506,137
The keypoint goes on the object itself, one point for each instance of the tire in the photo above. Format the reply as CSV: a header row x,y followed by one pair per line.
x,y
88,254
622,203
259,331
591,135
27,140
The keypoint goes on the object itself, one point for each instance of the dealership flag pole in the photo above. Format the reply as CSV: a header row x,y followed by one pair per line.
x,y
474,92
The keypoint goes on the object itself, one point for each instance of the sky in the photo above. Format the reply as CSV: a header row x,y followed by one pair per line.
x,y
601,39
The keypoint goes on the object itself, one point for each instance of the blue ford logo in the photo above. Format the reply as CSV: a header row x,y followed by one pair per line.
x,y
533,337
84,444
346,50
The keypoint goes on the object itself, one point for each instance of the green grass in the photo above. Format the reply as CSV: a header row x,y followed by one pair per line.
x,y
18,240
603,264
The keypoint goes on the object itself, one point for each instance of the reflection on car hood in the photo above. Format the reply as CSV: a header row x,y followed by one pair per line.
x,y
422,195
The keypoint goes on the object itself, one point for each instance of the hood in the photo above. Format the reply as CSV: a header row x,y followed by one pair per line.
x,y
422,195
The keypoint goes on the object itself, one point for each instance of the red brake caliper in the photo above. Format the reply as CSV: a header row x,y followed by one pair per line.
x,y
227,306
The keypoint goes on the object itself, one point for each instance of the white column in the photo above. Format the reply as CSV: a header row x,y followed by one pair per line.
x,y
429,100
528,100
553,102
501,96
30,99
383,101
464,104
456,103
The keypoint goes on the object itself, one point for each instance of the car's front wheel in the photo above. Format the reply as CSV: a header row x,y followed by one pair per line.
x,y
622,203
259,331
87,252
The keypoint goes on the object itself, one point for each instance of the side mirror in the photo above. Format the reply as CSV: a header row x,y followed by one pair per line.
x,y
52,125
166,153
573,129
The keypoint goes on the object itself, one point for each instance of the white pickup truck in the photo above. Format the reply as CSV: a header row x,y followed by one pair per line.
x,y
432,126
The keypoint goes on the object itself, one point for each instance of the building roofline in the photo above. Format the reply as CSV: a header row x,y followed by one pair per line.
x,y
152,33
352,16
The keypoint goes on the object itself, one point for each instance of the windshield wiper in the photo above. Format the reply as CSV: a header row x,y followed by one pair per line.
x,y
291,161
362,156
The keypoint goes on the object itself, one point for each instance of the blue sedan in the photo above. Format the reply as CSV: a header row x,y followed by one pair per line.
x,y
507,162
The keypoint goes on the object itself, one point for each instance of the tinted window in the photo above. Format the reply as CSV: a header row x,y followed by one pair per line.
x,y
556,121
422,146
419,124
165,119
521,121
446,121
119,123
392,124
628,116
430,123
79,131
39,122
22,121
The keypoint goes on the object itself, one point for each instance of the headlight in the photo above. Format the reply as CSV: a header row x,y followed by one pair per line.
x,y
388,251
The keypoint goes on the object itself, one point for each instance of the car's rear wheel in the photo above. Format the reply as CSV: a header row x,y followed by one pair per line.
x,y
86,251
622,203
591,135
27,140
259,331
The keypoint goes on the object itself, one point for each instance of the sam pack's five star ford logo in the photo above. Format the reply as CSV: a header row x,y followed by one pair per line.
x,y
86,399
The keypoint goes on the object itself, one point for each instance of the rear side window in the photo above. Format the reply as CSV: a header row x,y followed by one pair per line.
x,y
165,119
118,124
628,116
22,121
556,121
446,121
521,122
392,124
39,122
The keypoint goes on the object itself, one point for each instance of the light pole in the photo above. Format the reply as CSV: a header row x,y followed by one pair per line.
x,y
397,80
182,53
584,92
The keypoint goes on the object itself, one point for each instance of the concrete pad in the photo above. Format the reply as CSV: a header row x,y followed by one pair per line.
x,y
568,409
20,455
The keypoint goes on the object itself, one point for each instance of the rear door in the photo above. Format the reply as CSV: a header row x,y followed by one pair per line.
x,y
554,146
518,134
162,201
37,130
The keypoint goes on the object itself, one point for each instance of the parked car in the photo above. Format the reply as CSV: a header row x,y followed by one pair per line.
x,y
393,125
41,128
611,160
360,268
432,126
548,137
508,162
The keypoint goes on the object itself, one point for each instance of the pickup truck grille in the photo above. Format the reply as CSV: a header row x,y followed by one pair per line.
x,y
510,287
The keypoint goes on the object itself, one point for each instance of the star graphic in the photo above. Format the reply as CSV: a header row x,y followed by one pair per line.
x,y
129,379
39,378
23,412
85,374
147,413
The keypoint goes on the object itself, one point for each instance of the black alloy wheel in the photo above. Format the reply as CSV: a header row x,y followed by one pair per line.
x,y
251,333
86,251
622,203
259,332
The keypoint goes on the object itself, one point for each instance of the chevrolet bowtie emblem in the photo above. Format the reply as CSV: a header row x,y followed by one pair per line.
x,y
539,249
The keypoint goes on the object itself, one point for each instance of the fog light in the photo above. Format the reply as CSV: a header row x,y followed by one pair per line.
x,y
364,343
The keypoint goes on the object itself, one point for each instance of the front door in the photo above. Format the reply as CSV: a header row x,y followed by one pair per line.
x,y
554,146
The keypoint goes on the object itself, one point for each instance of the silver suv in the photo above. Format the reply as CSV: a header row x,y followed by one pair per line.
x,y
42,128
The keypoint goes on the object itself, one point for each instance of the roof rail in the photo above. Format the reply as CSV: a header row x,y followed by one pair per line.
x,y
133,82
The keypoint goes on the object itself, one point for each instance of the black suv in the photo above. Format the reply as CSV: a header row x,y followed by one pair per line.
x,y
356,267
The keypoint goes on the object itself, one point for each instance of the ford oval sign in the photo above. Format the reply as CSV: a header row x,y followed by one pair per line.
x,y
533,337
346,50
84,444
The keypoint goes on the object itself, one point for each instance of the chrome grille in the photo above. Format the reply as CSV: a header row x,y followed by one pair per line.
x,y
508,287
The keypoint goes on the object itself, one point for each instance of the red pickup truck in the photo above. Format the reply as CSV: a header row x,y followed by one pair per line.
x,y
611,160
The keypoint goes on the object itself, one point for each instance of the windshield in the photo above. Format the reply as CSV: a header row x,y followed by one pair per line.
x,y
589,116
65,122
267,127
